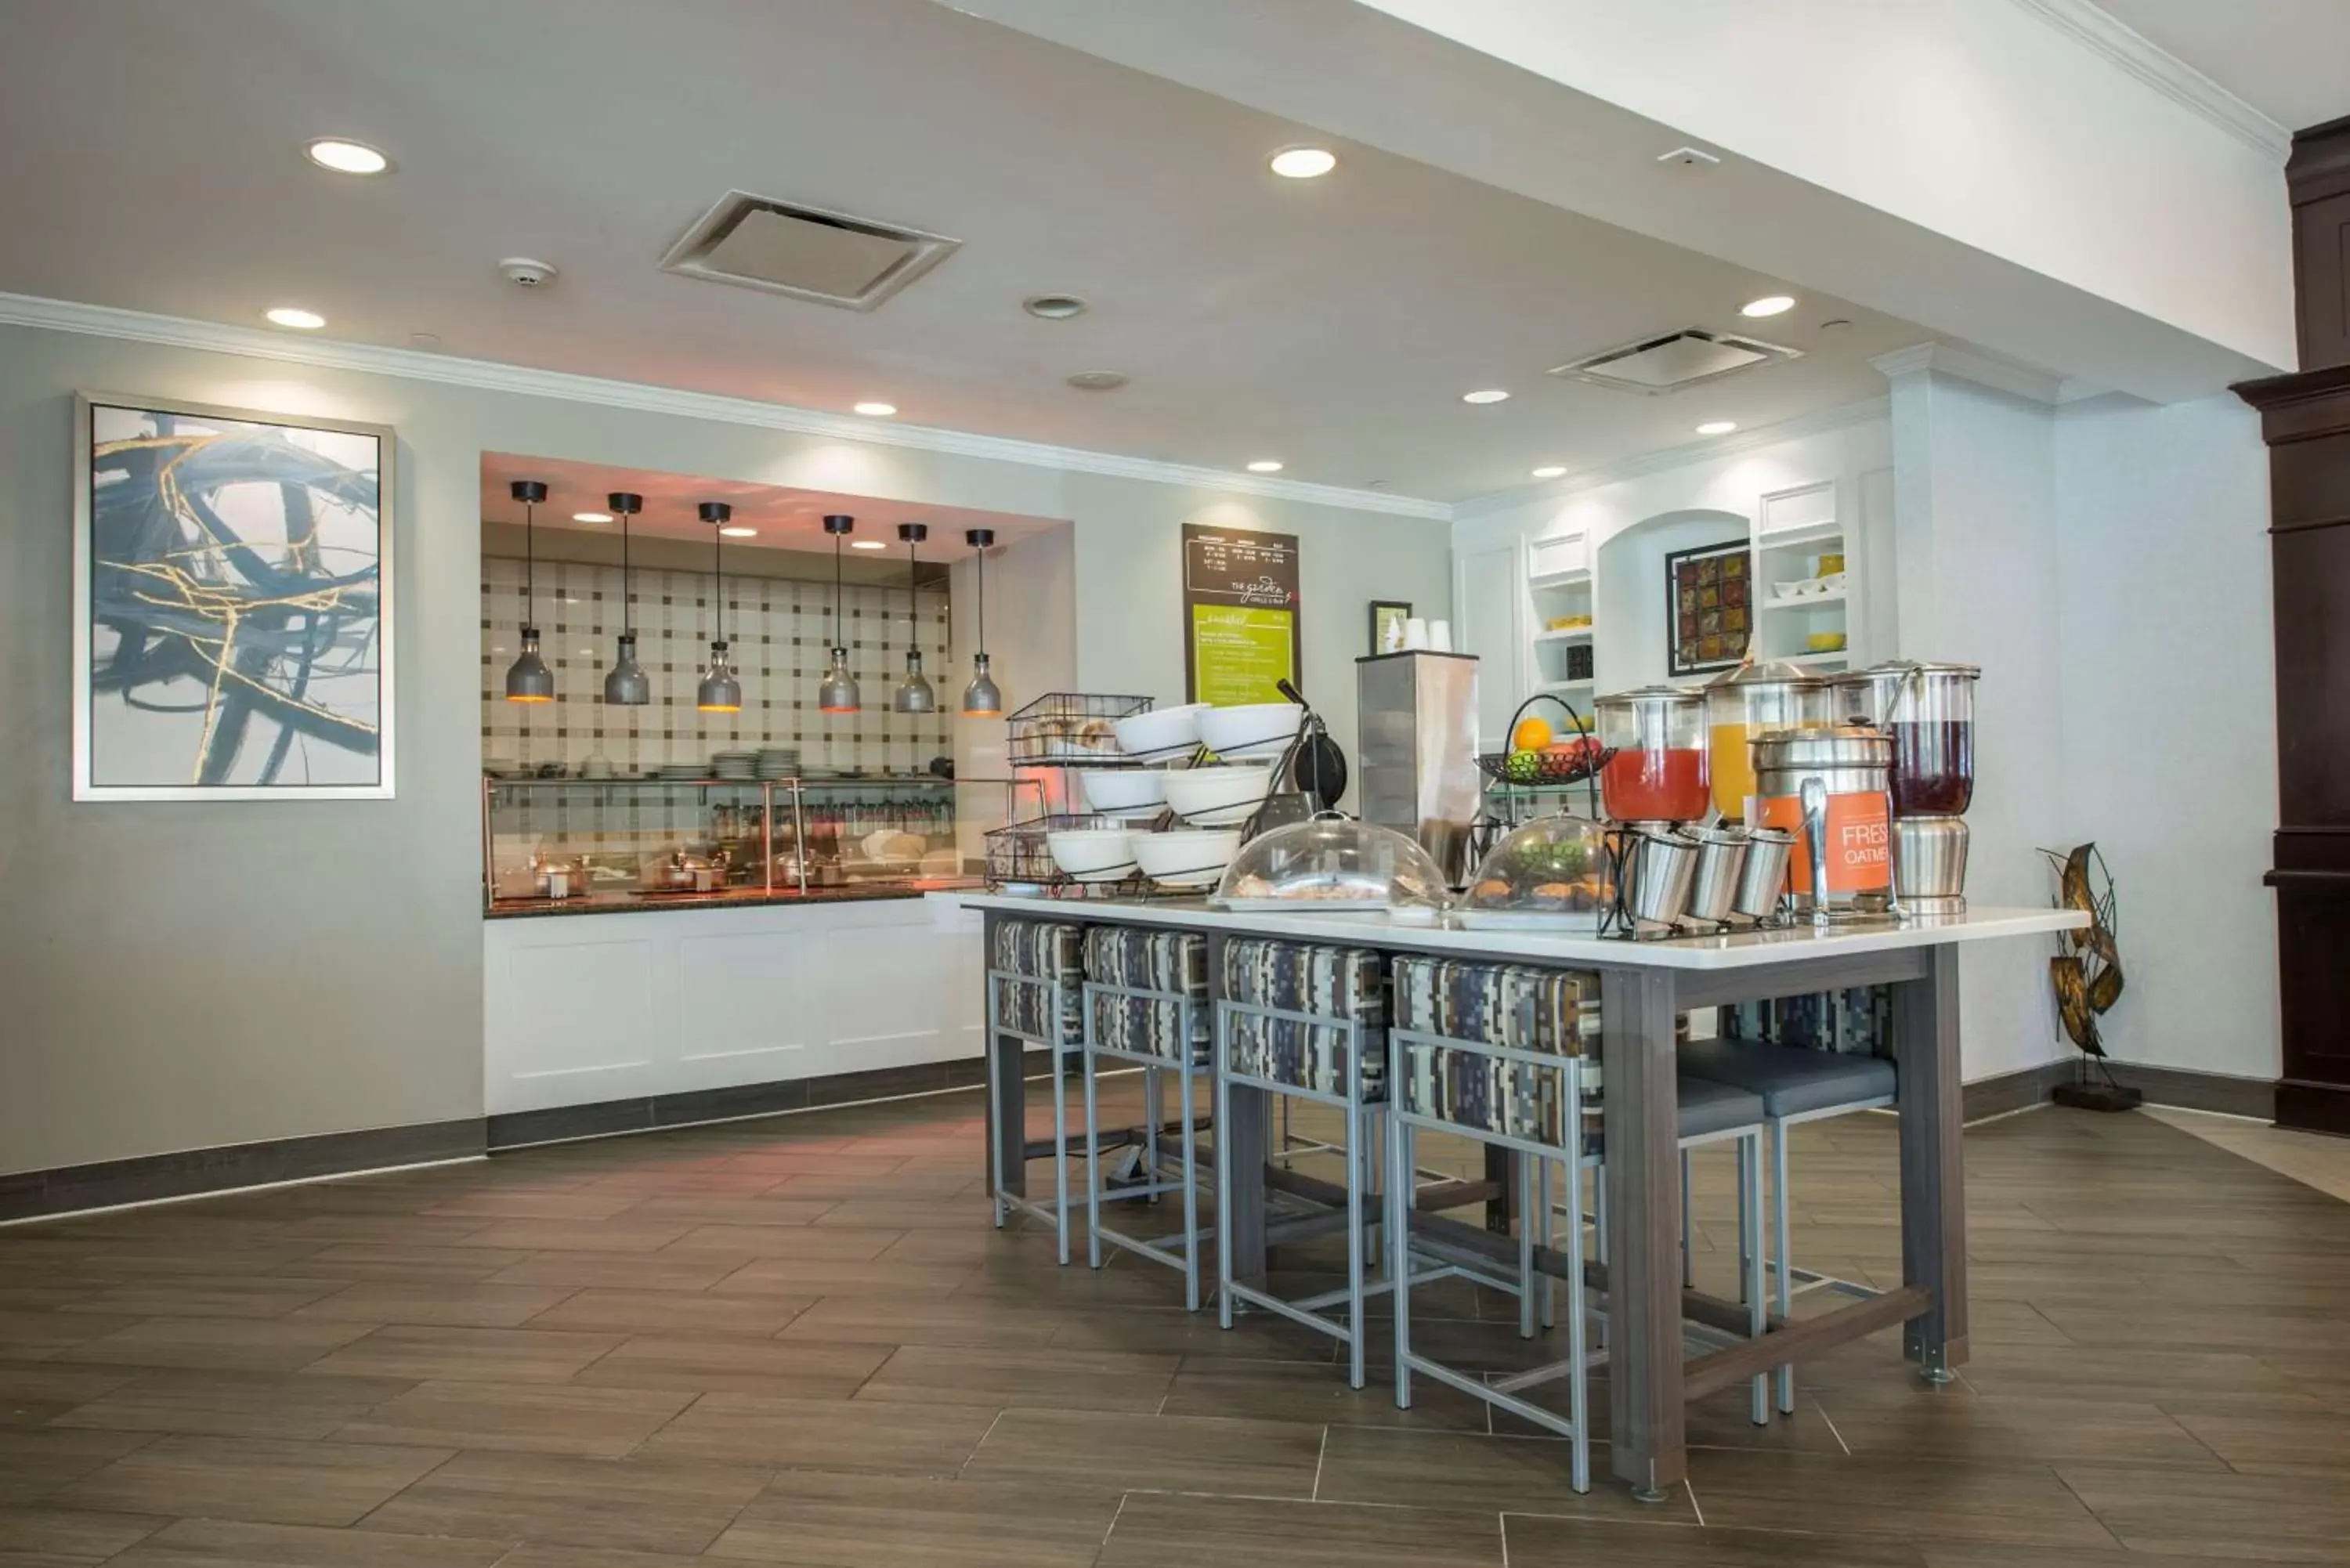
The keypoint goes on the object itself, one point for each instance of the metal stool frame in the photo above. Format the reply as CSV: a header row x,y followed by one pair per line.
x,y
1057,1214
1780,1265
1186,1261
1359,1145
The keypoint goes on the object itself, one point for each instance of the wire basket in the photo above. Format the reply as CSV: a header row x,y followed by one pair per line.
x,y
1549,770
1069,727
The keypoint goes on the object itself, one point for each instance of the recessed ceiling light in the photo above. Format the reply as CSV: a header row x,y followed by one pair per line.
x,y
867,544
1550,471
345,156
1717,427
300,320
1769,304
877,410
1489,395
591,516
1304,162
1264,465
739,532
1098,380
1054,306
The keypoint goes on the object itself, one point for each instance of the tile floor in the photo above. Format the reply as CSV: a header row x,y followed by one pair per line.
x,y
798,1341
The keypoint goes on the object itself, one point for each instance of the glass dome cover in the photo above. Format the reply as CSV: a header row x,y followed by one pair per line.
x,y
1553,872
1330,861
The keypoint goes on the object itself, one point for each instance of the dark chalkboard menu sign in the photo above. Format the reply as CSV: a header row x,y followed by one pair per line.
x,y
1241,634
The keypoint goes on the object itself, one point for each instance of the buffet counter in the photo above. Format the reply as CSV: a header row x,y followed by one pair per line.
x,y
1642,986
726,898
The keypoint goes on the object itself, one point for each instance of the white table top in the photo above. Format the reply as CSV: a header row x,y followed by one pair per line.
x,y
1744,950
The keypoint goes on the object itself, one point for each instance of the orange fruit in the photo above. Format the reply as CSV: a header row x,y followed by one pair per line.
x,y
1531,735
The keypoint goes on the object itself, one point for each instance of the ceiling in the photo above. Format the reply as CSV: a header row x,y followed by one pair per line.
x,y
1331,325
785,518
2288,58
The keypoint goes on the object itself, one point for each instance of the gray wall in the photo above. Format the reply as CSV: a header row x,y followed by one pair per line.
x,y
176,977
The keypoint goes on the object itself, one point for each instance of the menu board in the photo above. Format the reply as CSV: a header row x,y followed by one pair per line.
x,y
1241,634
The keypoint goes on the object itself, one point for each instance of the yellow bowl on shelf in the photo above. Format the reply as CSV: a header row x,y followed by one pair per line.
x,y
1826,642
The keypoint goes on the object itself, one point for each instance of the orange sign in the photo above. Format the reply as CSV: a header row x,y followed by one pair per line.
x,y
1859,840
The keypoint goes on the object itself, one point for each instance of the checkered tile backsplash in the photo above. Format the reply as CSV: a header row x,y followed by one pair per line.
x,y
780,638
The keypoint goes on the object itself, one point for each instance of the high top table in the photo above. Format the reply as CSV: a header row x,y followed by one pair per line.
x,y
1642,985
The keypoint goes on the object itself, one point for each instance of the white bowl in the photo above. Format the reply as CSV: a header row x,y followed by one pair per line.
x,y
1164,732
1221,796
1254,730
1120,791
1186,857
1092,854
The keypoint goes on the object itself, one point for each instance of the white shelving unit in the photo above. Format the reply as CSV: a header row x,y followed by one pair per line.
x,y
1560,586
1793,529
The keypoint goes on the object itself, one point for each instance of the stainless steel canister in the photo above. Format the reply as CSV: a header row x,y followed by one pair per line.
x,y
1930,865
1721,858
1658,870
1829,786
1763,880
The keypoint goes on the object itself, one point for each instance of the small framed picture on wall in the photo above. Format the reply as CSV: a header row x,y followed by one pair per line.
x,y
1388,617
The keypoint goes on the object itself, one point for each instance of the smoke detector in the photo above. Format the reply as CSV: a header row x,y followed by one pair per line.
x,y
806,253
1656,366
526,273
1098,380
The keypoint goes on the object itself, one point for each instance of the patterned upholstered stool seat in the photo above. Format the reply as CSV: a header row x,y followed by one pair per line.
x,y
1147,991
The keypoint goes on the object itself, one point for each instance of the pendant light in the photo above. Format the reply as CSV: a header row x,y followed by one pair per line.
x,y
980,699
720,691
528,680
625,684
838,693
913,694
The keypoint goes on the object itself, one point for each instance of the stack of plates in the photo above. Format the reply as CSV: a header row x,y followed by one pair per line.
x,y
779,762
734,765
676,770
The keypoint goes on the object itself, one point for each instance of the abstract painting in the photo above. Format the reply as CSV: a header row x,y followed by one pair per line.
x,y
233,599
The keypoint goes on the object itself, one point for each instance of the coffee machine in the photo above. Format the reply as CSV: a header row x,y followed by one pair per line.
x,y
1416,743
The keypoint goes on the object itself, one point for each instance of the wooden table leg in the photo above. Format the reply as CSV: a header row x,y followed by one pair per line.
x,y
1250,1128
1007,1090
1643,1161
1933,1172
1502,1170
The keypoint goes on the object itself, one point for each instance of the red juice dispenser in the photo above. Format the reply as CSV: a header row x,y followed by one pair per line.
x,y
1658,770
1927,712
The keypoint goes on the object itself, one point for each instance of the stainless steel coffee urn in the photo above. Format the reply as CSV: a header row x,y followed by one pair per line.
x,y
1416,742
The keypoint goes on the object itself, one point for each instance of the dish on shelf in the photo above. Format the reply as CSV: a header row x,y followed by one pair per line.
x,y
1187,858
1092,854
1800,589
1161,732
1567,623
1249,730
1223,796
1826,642
1115,791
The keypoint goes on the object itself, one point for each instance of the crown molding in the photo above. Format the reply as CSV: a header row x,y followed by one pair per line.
x,y
1971,364
2101,32
1708,450
485,375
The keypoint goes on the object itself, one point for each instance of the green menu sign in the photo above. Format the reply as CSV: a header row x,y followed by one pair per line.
x,y
1240,610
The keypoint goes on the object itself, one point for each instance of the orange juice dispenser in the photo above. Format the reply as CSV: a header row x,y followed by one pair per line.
x,y
1751,701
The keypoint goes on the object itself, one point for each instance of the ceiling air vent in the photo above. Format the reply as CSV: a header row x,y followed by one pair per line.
x,y
828,257
1655,366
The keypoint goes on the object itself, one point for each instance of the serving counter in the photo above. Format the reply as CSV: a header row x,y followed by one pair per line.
x,y
1642,986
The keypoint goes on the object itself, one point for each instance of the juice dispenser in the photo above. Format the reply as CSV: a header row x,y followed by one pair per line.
x,y
1926,712
1749,702
1658,770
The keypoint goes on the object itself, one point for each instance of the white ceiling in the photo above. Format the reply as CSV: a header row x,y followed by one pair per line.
x,y
785,518
2288,58
154,163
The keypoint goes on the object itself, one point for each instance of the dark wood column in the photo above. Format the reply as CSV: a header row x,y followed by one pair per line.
x,y
2306,418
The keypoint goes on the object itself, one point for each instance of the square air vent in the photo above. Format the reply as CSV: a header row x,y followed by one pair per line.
x,y
804,252
1655,366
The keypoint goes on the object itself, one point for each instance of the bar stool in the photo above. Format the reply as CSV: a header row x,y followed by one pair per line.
x,y
1147,1003
1309,1021
1499,1053
1036,978
1796,1085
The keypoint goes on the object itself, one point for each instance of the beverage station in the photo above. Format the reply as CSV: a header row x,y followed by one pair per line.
x,y
1773,834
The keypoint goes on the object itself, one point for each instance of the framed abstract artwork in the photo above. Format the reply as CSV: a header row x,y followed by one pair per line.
x,y
1708,608
1388,617
233,604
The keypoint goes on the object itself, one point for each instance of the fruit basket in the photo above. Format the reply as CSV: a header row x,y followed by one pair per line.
x,y
1540,755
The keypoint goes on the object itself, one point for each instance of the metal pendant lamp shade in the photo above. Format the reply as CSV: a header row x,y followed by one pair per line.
x,y
838,692
625,684
721,690
528,680
913,694
981,699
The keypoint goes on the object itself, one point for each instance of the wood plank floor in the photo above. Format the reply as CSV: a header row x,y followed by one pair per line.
x,y
799,1341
